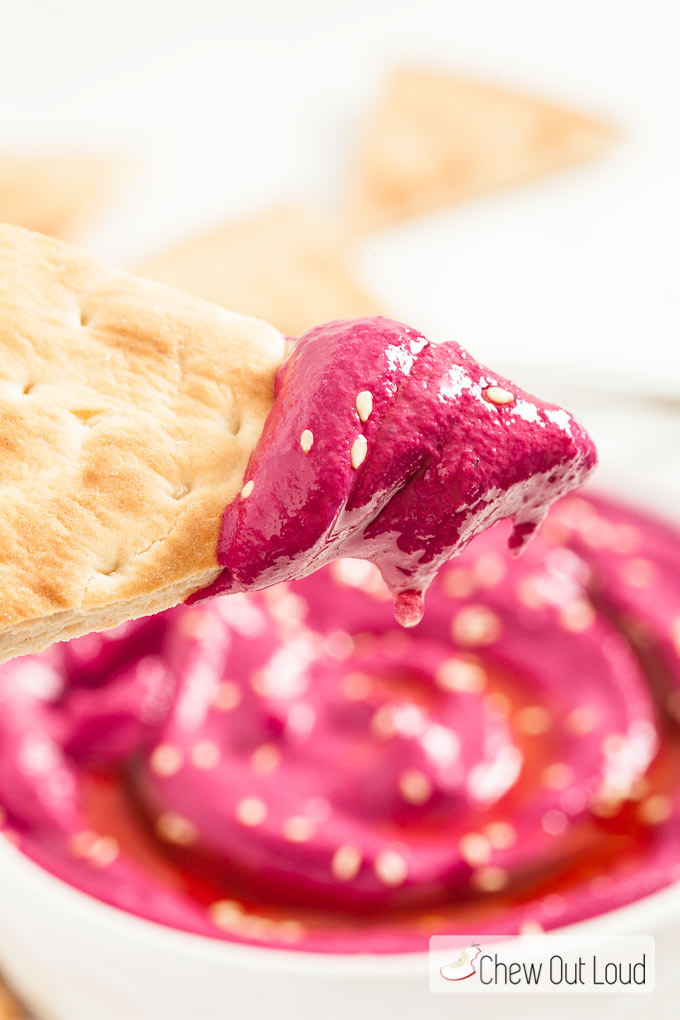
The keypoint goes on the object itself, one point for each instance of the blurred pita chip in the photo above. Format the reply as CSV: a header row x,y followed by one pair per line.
x,y
435,139
288,265
9,1007
57,194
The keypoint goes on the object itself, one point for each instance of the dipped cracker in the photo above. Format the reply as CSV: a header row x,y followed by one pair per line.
x,y
128,412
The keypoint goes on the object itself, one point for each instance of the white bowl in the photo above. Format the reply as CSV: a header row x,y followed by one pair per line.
x,y
72,957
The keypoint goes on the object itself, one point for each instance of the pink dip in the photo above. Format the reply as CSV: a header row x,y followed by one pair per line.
x,y
291,768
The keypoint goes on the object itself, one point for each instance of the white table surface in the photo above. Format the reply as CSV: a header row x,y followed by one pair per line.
x,y
232,106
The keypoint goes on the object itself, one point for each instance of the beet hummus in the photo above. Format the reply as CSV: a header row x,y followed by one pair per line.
x,y
287,766
384,446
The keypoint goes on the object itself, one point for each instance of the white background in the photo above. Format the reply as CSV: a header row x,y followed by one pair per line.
x,y
230,106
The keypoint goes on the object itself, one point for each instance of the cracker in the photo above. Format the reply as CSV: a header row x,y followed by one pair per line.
x,y
128,412
288,266
57,194
435,139
9,1007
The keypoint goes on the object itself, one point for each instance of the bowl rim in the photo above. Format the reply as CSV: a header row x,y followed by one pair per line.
x,y
655,910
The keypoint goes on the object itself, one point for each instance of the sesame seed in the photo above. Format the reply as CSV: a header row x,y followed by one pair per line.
x,y
254,926
533,720
103,851
227,696
247,489
531,927
476,625
498,395
459,582
414,786
581,720
655,809
638,573
490,879
226,914
530,592
364,404
289,931
357,686
474,848
307,440
489,570
675,634
346,862
251,811
390,867
460,676
382,722
192,624
166,760
500,835
358,451
558,776
297,829
174,828
81,843
205,755
577,616
265,758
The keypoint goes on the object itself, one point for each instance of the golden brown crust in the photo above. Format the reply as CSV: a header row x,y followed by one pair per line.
x,y
436,138
57,193
9,1007
288,265
128,412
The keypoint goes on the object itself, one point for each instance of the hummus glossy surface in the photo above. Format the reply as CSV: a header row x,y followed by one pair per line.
x,y
384,446
292,768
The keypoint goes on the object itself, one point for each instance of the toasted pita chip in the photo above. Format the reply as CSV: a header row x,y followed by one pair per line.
x,y
287,266
9,1007
57,194
128,412
435,139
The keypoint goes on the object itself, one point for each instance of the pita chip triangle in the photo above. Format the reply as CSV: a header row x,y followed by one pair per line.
x,y
57,194
435,139
287,265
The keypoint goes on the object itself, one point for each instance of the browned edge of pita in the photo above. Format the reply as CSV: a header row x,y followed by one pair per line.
x,y
128,412
10,1008
60,193
289,265
434,139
